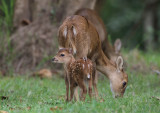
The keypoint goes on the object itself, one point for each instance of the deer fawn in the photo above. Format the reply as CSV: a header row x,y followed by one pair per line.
x,y
78,33
78,71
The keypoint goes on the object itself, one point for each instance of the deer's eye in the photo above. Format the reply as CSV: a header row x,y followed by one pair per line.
x,y
62,55
124,84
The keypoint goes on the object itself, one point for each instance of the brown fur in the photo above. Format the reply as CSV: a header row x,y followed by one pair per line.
x,y
112,52
86,43
78,71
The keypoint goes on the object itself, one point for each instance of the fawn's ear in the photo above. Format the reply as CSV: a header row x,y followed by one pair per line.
x,y
119,63
117,45
70,50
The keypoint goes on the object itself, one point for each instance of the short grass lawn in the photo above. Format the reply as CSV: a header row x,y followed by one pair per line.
x,y
22,94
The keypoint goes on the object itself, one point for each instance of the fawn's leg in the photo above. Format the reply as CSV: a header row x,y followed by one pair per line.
x,y
76,96
83,87
72,90
67,87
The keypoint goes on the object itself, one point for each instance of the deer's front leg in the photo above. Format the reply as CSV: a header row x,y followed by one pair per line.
x,y
67,88
72,89
95,80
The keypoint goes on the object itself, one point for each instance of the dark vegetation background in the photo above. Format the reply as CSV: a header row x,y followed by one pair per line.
x,y
136,22
28,28
28,41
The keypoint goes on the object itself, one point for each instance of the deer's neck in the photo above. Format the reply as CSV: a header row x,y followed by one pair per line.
x,y
104,65
68,64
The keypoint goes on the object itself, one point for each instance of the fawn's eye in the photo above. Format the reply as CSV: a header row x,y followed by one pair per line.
x,y
124,84
62,55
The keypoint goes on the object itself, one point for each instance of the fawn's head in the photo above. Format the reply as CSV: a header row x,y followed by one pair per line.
x,y
118,79
64,55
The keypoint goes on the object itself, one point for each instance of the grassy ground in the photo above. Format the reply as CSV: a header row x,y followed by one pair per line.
x,y
33,95
42,96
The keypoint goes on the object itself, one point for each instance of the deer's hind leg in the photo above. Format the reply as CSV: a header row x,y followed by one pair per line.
x,y
94,81
90,88
76,95
73,86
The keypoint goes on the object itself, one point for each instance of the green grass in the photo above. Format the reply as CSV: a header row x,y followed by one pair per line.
x,y
7,7
33,95
6,28
36,95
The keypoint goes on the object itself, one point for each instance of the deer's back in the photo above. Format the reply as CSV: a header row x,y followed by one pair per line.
x,y
95,20
78,33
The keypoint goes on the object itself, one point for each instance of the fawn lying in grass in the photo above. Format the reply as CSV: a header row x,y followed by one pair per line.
x,y
78,72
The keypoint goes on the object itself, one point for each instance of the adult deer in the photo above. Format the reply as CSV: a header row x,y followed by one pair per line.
x,y
112,52
78,33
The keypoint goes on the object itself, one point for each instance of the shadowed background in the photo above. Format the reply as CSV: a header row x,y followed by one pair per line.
x,y
28,35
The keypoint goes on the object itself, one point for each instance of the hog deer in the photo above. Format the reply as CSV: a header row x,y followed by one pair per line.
x,y
112,52
78,33
79,71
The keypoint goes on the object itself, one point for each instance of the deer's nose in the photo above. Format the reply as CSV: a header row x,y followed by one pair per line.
x,y
53,59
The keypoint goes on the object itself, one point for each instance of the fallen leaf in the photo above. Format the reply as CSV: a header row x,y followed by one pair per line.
x,y
11,109
19,108
156,97
3,111
52,109
101,100
55,108
28,107
60,108
4,98
43,73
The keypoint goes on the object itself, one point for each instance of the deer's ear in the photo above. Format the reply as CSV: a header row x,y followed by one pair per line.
x,y
70,50
117,45
119,63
